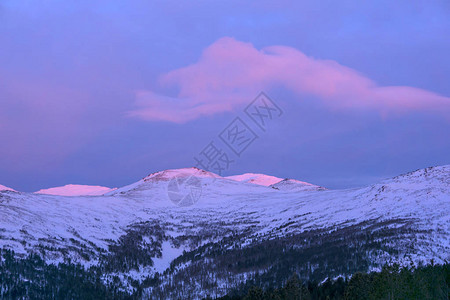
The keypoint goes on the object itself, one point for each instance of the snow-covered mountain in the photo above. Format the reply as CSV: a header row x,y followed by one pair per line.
x,y
260,179
275,182
294,185
160,179
76,190
234,229
5,188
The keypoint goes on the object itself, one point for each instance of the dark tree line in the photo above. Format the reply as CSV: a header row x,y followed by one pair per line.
x,y
218,267
32,278
393,282
229,265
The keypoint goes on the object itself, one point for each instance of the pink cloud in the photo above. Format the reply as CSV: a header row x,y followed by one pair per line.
x,y
230,73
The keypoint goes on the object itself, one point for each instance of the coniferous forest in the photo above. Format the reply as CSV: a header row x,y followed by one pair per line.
x,y
32,278
393,282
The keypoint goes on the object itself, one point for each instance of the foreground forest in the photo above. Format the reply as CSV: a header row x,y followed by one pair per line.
x,y
393,282
32,278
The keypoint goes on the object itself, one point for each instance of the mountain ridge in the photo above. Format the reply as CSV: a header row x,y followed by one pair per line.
x,y
5,188
138,232
76,190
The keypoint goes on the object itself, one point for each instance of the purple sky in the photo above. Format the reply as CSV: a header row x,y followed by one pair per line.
x,y
93,92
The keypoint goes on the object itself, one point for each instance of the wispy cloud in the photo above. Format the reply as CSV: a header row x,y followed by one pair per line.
x,y
230,72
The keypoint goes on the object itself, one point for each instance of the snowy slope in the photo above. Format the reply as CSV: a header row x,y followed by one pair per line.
x,y
84,225
5,188
76,190
260,179
162,177
275,182
294,185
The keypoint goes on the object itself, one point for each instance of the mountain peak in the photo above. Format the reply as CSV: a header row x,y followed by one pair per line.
x,y
255,178
183,172
295,185
5,188
76,190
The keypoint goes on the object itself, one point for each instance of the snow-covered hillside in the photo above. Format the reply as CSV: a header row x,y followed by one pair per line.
x,y
5,188
406,216
275,182
294,185
260,179
163,177
76,190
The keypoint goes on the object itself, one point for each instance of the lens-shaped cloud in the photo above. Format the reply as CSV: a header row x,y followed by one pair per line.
x,y
230,73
